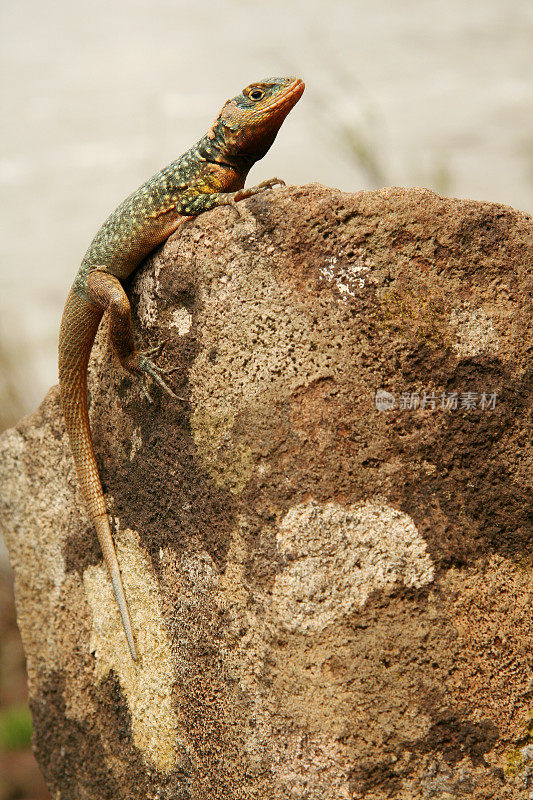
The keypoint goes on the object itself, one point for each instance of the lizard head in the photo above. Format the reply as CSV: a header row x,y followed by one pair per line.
x,y
250,121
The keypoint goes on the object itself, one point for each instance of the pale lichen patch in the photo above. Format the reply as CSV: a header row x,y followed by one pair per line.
x,y
181,319
474,331
148,286
147,684
312,766
136,442
337,556
348,274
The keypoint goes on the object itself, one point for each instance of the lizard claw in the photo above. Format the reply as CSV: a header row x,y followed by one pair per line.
x,y
147,367
241,194
152,351
235,207
145,393
270,183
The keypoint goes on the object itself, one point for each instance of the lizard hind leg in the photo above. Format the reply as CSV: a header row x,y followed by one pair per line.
x,y
106,291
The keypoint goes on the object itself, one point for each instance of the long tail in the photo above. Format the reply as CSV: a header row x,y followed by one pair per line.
x,y
78,329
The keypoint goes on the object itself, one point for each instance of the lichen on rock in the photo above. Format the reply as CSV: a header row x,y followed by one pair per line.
x,y
337,557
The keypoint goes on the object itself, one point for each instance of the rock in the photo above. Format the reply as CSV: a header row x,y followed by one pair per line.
x,y
326,549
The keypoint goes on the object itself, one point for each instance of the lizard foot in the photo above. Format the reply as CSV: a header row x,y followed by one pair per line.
x,y
261,187
155,351
148,368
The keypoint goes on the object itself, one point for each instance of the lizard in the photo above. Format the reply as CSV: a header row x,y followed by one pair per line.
x,y
211,173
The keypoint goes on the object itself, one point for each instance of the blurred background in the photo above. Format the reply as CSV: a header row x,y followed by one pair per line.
x,y
98,96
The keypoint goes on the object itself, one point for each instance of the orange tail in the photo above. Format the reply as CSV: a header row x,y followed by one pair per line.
x,y
78,329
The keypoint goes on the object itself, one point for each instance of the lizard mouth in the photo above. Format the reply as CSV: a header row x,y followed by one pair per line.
x,y
288,97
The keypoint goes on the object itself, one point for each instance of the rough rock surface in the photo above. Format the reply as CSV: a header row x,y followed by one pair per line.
x,y
327,548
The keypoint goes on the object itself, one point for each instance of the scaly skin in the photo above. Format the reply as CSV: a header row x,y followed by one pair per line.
x,y
210,174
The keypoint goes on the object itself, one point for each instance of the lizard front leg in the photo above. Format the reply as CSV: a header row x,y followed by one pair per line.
x,y
193,202
268,184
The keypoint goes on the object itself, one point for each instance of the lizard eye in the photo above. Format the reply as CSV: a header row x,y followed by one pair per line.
x,y
256,94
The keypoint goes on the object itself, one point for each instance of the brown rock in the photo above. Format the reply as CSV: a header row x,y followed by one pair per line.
x,y
327,550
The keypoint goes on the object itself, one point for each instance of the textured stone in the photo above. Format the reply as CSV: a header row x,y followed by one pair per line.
x,y
327,548
337,557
